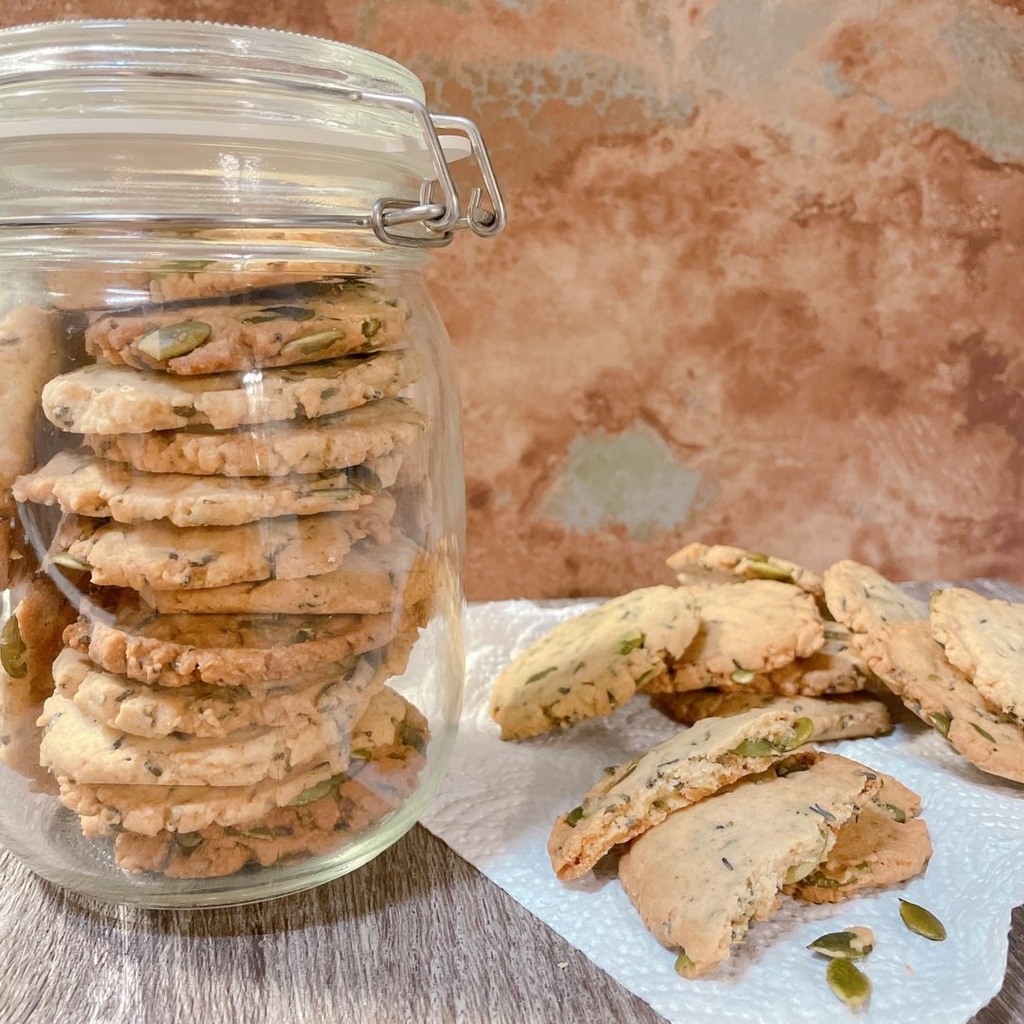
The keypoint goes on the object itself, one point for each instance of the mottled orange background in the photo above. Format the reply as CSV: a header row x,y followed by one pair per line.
x,y
763,281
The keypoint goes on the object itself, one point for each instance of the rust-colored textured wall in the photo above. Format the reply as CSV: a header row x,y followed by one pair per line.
x,y
763,280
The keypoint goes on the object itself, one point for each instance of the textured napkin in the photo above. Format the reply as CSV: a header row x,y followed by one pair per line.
x,y
500,798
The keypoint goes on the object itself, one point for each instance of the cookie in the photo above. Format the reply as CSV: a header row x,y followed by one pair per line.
x,y
81,483
29,642
295,326
911,663
984,638
184,280
701,877
639,794
227,650
372,578
318,821
746,629
835,669
161,556
81,749
864,600
30,353
589,665
885,845
725,563
331,442
105,399
130,706
834,718
148,810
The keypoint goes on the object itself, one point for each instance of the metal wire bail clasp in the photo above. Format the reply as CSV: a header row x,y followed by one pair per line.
x,y
439,209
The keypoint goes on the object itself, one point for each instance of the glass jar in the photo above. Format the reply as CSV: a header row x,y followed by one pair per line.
x,y
233,501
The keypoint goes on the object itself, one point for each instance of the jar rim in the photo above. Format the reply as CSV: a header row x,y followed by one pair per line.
x,y
163,44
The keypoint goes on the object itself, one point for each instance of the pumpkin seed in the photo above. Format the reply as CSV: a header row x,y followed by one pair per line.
x,y
752,747
66,561
894,812
742,676
270,313
922,921
184,266
189,840
799,734
321,789
683,962
941,720
765,570
365,479
790,766
849,944
982,732
848,982
313,343
12,649
371,327
797,872
631,642
174,340
574,816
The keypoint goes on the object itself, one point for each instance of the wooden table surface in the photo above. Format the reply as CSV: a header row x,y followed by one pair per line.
x,y
418,935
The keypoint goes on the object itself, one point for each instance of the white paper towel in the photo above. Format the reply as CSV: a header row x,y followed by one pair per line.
x,y
500,798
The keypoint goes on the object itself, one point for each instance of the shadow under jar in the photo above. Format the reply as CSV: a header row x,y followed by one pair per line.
x,y
231,657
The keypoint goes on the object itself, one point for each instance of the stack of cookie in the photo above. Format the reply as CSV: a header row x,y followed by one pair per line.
x,y
229,534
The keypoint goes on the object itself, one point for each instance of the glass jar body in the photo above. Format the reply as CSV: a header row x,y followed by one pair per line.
x,y
233,521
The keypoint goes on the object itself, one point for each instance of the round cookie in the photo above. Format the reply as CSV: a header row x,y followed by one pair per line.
x,y
864,600
106,399
671,775
833,717
719,562
295,326
590,664
370,579
227,650
984,638
148,810
207,711
906,657
317,822
160,556
81,483
186,280
330,442
83,750
746,629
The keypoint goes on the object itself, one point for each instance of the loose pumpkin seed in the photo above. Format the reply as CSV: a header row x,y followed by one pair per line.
x,y
922,921
848,982
849,944
12,649
174,340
